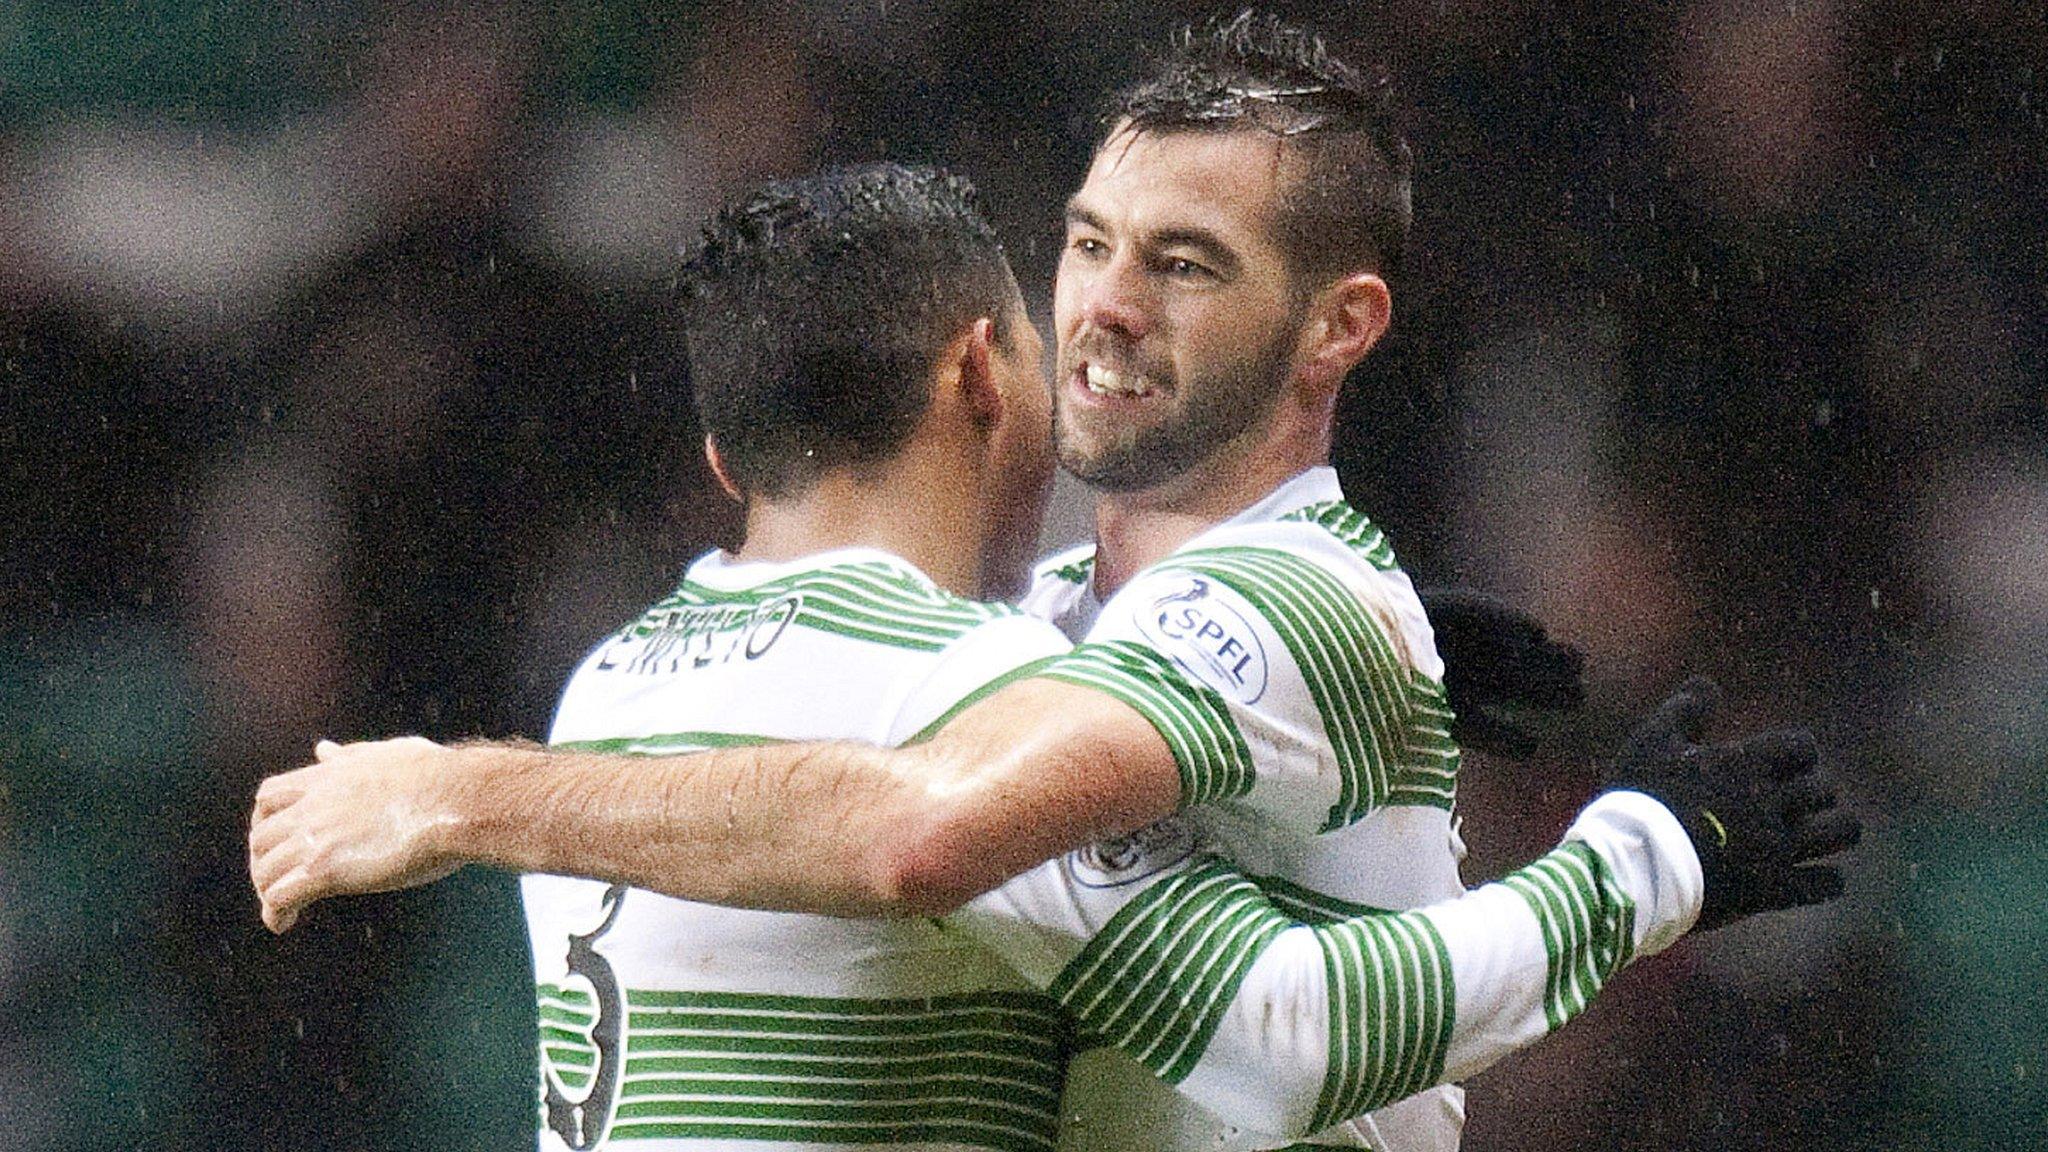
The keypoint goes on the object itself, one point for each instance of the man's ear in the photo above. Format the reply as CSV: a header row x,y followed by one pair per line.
x,y
717,462
972,353
1349,317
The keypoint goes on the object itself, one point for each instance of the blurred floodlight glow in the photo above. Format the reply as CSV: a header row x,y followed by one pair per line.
x,y
179,225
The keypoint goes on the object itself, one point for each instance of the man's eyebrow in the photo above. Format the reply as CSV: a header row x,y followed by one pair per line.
x,y
1205,243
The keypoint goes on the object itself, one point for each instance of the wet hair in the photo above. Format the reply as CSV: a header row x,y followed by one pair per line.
x,y
814,309
1347,208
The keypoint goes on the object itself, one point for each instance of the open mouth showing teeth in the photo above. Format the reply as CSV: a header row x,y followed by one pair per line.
x,y
1103,382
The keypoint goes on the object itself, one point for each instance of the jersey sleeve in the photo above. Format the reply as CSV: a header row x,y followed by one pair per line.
x,y
1284,1028
1292,679
982,660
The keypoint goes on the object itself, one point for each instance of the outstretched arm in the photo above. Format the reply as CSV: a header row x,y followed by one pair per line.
x,y
1035,769
1284,1028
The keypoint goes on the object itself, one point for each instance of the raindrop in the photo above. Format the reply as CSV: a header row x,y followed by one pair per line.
x,y
1877,605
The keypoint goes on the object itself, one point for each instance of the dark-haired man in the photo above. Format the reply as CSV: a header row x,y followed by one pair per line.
x,y
1250,653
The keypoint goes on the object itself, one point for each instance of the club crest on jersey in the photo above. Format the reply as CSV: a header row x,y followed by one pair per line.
x,y
1210,640
1129,859
581,1118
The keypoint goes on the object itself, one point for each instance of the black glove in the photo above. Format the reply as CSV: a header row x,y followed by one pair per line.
x,y
1758,811
1499,662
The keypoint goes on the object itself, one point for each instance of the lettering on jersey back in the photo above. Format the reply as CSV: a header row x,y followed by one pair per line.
x,y
1208,638
687,637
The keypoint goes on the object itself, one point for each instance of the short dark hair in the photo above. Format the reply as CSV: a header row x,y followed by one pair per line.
x,y
815,308
1349,206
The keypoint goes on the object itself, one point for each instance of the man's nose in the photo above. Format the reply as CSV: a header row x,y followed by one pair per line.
x,y
1116,297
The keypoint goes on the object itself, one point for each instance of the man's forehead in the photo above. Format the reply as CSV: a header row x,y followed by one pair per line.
x,y
1171,178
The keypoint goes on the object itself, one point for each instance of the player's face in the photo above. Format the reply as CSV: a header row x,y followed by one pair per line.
x,y
1021,466
1174,307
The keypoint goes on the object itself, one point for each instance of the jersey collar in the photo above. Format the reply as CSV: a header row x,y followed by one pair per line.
x,y
1316,485
722,571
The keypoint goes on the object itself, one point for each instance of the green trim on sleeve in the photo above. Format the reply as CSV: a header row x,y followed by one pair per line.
x,y
1021,671
1195,722
1588,925
1157,980
668,743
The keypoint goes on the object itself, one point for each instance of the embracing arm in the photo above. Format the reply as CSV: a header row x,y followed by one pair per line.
x,y
840,828
1282,1028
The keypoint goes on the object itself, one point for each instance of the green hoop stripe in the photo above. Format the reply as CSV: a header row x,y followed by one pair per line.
x,y
1192,938
1392,1007
1588,924
866,600
983,1069
1020,672
1358,684
1195,722
1429,772
566,1049
1076,573
1310,906
669,743
1352,529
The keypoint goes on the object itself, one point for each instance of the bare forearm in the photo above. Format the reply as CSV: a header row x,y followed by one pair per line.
x,y
840,828
790,827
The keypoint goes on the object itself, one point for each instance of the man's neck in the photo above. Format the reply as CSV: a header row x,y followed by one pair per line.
x,y
1135,530
845,511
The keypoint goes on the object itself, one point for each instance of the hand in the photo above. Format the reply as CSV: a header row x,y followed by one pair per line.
x,y
1758,811
361,818
1498,661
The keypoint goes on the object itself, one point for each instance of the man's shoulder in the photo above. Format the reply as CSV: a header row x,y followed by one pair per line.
x,y
1319,576
873,597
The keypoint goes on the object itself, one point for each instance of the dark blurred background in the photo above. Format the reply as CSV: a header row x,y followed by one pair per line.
x,y
337,403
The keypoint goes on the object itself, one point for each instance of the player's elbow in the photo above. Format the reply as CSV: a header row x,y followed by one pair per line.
x,y
930,866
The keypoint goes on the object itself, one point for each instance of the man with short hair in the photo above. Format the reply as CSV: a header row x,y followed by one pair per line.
x,y
1251,655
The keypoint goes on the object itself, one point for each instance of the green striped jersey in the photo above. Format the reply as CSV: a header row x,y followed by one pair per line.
x,y
672,1025
668,1024
1285,658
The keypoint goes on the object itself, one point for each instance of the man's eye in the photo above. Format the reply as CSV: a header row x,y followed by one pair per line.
x,y
1181,266
1088,246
